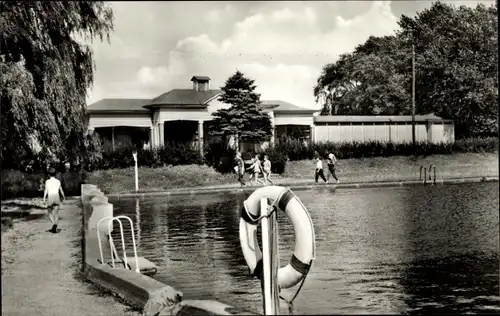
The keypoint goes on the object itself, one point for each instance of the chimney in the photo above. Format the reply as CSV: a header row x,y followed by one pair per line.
x,y
201,83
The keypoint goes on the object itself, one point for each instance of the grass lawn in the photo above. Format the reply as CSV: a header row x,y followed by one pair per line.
x,y
348,170
158,179
401,167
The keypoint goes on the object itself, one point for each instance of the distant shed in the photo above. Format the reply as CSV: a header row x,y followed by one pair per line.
x,y
390,129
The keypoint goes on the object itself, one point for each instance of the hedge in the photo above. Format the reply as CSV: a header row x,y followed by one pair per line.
x,y
17,183
297,150
29,183
170,154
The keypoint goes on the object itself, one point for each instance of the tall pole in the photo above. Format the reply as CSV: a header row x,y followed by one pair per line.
x,y
413,97
270,288
136,172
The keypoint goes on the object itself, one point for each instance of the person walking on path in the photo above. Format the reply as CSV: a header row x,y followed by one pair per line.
x,y
331,167
240,169
267,170
255,169
52,190
319,170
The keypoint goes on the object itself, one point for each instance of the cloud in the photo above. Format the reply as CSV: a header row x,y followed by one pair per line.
x,y
218,15
282,50
281,45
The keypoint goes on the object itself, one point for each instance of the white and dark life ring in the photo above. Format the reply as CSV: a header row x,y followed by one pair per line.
x,y
304,253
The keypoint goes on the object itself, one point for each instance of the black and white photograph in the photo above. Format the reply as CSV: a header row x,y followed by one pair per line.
x,y
249,158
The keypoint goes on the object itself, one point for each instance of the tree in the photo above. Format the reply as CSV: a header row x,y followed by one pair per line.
x,y
244,119
458,76
456,70
366,82
335,86
44,75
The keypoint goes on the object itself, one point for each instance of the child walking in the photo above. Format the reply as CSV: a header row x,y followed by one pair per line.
x,y
319,170
255,169
267,170
331,167
52,189
240,169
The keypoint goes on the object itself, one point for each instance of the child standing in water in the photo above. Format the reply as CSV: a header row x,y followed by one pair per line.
x,y
319,170
52,189
267,170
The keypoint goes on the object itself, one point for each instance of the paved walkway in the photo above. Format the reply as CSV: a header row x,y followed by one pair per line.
x,y
40,271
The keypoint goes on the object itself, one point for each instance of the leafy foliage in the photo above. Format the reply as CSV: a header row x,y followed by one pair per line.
x,y
219,156
16,183
44,75
244,119
456,64
170,154
297,150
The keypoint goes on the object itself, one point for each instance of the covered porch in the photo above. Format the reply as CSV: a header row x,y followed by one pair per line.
x,y
117,137
184,131
122,128
297,132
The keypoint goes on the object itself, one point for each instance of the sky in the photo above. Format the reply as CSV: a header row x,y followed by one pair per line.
x,y
159,46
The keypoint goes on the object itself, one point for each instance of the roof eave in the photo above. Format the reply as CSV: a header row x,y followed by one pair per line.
x,y
176,106
117,111
213,98
296,111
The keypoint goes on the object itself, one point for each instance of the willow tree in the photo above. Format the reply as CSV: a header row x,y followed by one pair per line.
x,y
46,67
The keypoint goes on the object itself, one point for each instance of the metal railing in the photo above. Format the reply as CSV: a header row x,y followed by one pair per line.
x,y
432,171
425,174
111,244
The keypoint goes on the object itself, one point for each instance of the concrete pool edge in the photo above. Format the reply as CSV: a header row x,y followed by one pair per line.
x,y
305,186
149,295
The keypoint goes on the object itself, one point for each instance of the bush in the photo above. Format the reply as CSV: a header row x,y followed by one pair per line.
x,y
171,154
219,156
476,145
16,183
297,150
278,159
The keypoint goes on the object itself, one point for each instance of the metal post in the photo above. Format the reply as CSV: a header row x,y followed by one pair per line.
x,y
413,97
269,261
434,174
136,173
138,220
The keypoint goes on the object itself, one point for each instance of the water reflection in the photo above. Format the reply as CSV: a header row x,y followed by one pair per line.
x,y
387,250
454,255
452,285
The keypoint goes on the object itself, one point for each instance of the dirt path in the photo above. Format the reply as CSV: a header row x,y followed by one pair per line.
x,y
40,271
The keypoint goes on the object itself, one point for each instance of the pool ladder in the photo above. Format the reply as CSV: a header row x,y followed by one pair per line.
x,y
432,172
111,244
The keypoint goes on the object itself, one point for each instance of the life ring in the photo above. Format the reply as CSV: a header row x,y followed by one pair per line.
x,y
304,252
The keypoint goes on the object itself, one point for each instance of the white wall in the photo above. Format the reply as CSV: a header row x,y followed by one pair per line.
x,y
166,114
293,119
385,133
110,120
443,133
215,105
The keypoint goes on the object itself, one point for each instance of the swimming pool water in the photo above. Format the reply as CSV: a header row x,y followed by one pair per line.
x,y
418,249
